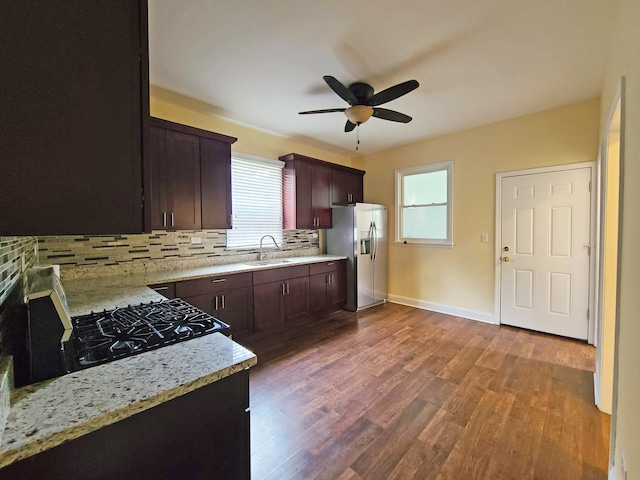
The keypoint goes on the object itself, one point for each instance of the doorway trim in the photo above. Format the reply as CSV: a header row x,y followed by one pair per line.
x,y
498,233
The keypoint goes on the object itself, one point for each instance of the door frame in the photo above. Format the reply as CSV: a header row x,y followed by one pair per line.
x,y
592,236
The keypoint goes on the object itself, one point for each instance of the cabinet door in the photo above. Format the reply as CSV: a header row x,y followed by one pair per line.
x,y
73,109
183,173
215,172
354,188
296,300
305,217
158,185
339,188
337,291
346,187
318,292
205,302
321,196
267,307
235,307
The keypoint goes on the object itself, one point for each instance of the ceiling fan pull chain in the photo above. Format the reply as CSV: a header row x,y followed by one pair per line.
x,y
357,136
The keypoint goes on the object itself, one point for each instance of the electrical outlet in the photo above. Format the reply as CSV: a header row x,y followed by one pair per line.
x,y
196,240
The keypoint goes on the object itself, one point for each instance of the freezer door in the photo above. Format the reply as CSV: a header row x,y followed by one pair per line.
x,y
365,246
380,255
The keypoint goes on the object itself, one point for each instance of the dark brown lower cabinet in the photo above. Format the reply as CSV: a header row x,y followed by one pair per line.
x,y
327,287
201,435
228,298
281,298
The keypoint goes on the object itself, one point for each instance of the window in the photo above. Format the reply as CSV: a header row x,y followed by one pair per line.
x,y
423,204
256,193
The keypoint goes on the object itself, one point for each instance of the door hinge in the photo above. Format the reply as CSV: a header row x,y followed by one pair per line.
x,y
587,314
590,185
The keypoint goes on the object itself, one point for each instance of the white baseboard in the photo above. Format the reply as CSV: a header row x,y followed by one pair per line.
x,y
441,308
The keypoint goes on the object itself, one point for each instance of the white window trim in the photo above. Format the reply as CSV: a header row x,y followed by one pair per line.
x,y
400,174
267,161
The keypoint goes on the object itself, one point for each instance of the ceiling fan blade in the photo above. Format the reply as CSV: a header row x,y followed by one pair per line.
x,y
327,110
392,115
392,93
340,89
349,126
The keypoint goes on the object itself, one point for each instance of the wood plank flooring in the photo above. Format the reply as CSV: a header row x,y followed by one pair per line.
x,y
400,393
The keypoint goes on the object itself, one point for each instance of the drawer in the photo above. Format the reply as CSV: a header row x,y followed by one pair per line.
x,y
329,266
279,274
189,288
165,289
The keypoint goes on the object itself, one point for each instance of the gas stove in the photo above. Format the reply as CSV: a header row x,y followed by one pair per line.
x,y
102,337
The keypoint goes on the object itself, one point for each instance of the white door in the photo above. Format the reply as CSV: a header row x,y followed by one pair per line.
x,y
545,252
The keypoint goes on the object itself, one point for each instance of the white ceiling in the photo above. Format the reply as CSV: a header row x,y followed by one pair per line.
x,y
259,62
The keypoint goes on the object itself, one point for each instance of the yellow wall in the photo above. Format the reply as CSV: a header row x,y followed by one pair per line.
x,y
624,60
178,108
463,276
610,271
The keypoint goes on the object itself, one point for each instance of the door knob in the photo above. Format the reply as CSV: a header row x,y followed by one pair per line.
x,y
505,259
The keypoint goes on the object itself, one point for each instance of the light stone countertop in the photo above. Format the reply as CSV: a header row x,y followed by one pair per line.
x,y
85,295
51,412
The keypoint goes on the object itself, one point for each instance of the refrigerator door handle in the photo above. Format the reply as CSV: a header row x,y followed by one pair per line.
x,y
375,244
371,240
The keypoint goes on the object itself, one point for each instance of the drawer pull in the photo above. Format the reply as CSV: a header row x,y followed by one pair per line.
x,y
329,264
160,289
218,280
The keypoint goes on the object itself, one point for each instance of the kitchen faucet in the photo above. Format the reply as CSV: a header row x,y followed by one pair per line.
x,y
274,242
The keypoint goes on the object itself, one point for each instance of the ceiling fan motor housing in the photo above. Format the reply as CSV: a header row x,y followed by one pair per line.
x,y
362,92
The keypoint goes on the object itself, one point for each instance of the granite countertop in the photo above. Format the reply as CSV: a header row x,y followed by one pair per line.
x,y
51,412
85,295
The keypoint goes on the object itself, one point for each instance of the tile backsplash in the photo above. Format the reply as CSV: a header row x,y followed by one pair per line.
x,y
137,250
16,255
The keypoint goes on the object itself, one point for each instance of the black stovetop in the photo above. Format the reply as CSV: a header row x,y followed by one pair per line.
x,y
109,335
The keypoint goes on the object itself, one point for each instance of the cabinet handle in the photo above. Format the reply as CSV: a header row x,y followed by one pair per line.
x,y
231,220
329,264
216,309
349,197
283,289
218,280
160,289
172,223
288,288
164,219
331,276
222,301
328,279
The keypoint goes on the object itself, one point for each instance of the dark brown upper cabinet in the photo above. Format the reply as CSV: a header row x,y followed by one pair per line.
x,y
74,117
311,186
190,177
346,185
306,184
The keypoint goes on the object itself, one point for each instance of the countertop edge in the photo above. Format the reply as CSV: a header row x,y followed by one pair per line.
x,y
108,418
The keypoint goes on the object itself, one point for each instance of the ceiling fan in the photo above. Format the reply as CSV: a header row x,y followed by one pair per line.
x,y
364,103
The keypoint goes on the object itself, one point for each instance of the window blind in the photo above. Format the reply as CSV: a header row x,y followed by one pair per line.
x,y
256,192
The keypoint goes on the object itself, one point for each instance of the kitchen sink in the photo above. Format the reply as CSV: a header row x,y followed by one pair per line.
x,y
275,261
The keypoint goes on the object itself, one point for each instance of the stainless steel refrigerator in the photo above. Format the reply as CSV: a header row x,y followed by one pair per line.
x,y
360,233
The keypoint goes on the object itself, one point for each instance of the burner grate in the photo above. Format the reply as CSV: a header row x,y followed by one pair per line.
x,y
106,336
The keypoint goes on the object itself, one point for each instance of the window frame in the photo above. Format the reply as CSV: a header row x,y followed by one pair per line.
x,y
399,184
257,160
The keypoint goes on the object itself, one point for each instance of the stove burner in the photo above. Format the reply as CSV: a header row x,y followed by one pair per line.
x,y
106,336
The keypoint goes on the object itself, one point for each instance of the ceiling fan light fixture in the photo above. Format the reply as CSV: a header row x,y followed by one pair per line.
x,y
359,113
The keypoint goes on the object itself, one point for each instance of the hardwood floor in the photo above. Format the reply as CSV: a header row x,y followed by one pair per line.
x,y
400,393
